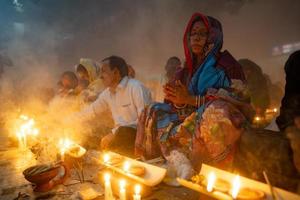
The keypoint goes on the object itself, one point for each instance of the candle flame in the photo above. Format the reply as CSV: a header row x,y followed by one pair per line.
x,y
126,166
275,110
257,118
211,181
137,189
26,127
35,132
24,117
106,158
236,184
64,144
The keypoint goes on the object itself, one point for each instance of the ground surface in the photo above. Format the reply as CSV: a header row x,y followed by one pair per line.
x,y
13,161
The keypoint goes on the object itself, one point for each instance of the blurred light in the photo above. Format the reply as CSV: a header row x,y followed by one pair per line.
x,y
285,49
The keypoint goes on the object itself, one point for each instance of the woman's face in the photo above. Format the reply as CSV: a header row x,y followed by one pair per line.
x,y
198,37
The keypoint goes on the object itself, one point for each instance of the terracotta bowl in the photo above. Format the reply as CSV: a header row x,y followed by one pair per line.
x,y
42,177
45,177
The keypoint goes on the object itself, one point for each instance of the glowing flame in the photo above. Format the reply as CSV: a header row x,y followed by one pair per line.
x,y
24,117
236,184
64,144
106,158
257,119
211,181
275,110
26,128
126,166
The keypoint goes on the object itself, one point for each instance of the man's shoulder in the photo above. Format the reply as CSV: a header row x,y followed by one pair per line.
x,y
104,93
134,83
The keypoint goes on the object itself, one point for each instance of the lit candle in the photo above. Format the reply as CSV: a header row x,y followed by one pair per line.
x,y
108,192
137,191
64,145
21,140
211,181
22,134
275,110
24,139
106,158
122,194
257,119
236,184
27,128
23,117
35,132
126,166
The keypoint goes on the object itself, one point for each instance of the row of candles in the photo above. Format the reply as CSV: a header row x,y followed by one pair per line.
x,y
236,184
26,128
122,189
126,167
122,184
258,119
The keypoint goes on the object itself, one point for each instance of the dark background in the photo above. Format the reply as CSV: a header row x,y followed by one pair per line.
x,y
50,36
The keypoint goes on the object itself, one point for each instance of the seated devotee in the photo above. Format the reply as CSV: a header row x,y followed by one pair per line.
x,y
90,86
125,98
290,103
276,153
67,84
289,118
257,85
208,102
208,116
173,64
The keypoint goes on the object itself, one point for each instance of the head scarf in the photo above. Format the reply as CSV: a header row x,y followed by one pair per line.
x,y
91,67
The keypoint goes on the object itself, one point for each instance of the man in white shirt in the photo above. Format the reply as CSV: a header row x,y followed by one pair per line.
x,y
125,97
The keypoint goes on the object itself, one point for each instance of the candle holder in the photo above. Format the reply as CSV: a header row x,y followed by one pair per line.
x,y
140,172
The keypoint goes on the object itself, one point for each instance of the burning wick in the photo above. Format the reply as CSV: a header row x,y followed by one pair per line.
x,y
108,192
257,119
236,184
137,191
22,140
211,181
35,132
126,166
122,194
106,158
24,117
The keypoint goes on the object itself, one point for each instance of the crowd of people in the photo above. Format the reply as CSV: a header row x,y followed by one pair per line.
x,y
202,109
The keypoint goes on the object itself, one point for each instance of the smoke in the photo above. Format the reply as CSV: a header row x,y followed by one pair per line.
x,y
58,33
45,38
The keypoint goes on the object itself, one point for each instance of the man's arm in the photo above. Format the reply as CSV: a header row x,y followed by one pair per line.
x,y
141,97
92,110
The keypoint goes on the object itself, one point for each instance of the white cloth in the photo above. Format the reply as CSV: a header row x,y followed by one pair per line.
x,y
272,126
125,103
